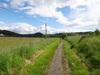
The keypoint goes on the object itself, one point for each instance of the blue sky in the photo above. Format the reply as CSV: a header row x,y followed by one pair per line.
x,y
59,15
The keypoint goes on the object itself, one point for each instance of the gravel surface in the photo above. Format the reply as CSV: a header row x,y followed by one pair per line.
x,y
56,67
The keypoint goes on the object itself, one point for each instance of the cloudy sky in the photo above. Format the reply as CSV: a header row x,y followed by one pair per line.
x,y
29,16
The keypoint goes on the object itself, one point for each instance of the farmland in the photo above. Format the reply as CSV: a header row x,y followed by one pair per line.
x,y
33,56
10,42
14,55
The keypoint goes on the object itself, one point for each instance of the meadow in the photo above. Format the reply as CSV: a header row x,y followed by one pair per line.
x,y
33,56
22,56
8,43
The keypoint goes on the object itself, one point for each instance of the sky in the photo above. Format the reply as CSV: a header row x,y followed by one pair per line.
x,y
60,16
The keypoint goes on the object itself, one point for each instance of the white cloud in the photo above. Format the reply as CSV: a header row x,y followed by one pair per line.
x,y
75,3
47,8
68,30
83,14
44,8
24,28
1,22
3,5
16,3
94,10
4,28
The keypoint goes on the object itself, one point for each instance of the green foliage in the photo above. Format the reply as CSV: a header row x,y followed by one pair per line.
x,y
43,62
9,43
74,40
12,59
89,50
81,72
73,61
97,32
91,34
96,72
64,36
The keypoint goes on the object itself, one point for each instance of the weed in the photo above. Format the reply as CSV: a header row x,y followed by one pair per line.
x,y
73,61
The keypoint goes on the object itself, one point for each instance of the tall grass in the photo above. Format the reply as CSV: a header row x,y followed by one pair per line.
x,y
74,40
11,61
89,50
8,43
74,63
43,62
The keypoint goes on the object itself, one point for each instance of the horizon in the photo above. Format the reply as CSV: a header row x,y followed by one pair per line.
x,y
30,16
47,34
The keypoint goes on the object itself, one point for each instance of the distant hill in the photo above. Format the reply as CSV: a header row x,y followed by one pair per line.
x,y
38,34
8,33
13,34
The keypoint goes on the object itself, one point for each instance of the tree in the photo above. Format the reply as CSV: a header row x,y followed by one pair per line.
x,y
64,36
91,33
97,32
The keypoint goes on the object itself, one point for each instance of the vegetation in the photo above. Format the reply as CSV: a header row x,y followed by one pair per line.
x,y
38,34
97,32
13,59
8,43
74,63
64,36
89,50
74,40
43,62
32,56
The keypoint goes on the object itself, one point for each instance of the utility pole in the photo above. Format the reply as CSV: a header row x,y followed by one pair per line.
x,y
45,30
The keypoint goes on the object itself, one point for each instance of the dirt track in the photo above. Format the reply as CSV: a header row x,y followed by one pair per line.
x,y
56,67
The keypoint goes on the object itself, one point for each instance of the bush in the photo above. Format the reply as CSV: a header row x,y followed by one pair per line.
x,y
91,50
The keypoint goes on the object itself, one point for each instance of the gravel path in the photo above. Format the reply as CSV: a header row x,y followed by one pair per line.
x,y
56,67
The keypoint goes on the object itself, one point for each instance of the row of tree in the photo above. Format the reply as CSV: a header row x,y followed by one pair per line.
x,y
96,32
84,34
61,35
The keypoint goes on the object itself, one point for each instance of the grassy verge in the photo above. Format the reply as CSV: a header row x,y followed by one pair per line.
x,y
43,62
74,63
74,40
88,49
11,61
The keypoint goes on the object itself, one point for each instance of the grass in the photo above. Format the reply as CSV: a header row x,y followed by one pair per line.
x,y
74,63
12,60
74,40
43,62
89,50
8,43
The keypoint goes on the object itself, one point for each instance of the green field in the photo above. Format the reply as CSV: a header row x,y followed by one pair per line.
x,y
33,56
16,52
88,51
8,43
